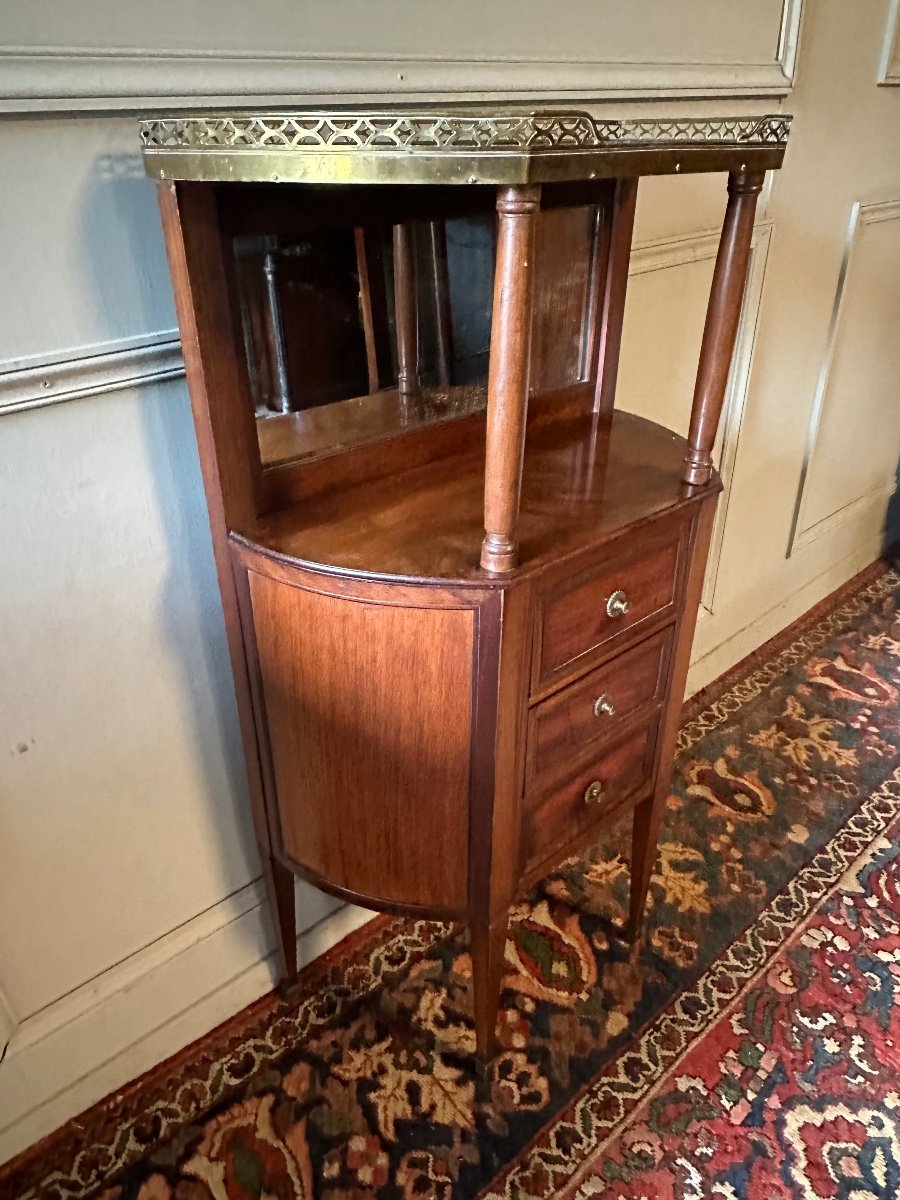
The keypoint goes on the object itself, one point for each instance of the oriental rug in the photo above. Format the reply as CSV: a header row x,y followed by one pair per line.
x,y
745,1049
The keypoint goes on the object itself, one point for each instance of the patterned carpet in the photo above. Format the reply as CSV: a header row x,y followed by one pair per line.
x,y
745,1050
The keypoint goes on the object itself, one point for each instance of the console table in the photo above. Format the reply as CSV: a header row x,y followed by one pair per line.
x,y
459,588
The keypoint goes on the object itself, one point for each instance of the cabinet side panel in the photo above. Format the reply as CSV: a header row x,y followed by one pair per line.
x,y
369,716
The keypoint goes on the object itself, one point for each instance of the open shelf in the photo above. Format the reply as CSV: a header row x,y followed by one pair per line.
x,y
585,479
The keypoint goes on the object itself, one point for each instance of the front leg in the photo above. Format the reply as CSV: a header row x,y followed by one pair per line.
x,y
488,940
645,834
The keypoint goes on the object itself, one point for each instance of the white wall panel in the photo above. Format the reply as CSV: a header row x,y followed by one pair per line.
x,y
136,56
664,316
845,148
889,67
80,241
854,437
123,810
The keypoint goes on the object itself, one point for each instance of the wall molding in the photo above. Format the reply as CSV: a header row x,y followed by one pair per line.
x,y
889,67
88,370
789,39
801,533
665,253
8,1022
132,79
220,960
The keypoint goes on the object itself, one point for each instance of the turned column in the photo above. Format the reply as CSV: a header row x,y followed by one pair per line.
x,y
722,316
440,292
406,314
281,400
508,369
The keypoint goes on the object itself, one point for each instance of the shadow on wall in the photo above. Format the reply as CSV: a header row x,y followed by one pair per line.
x,y
892,518
189,608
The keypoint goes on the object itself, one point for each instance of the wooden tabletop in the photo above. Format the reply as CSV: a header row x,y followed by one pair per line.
x,y
586,479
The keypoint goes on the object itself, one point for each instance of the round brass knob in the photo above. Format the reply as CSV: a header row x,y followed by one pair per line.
x,y
603,706
618,604
593,793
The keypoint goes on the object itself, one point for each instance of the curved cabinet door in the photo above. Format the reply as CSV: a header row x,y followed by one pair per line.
x,y
369,714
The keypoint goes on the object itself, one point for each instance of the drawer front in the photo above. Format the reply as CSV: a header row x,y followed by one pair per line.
x,y
585,614
553,818
596,706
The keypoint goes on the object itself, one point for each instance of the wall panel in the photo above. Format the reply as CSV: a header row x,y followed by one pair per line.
x,y
124,56
665,311
853,444
889,67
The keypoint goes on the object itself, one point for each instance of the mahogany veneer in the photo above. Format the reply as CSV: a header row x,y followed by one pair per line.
x,y
460,615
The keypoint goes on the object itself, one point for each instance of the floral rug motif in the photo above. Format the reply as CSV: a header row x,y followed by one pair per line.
x,y
744,1049
795,1089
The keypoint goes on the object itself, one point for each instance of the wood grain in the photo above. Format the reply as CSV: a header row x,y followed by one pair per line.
x,y
722,316
426,521
561,297
560,728
508,373
369,717
554,818
573,616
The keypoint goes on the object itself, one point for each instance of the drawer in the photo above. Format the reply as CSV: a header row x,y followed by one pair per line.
x,y
559,815
596,706
583,615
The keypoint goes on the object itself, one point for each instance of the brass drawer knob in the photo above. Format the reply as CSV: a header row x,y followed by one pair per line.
x,y
618,604
603,706
593,793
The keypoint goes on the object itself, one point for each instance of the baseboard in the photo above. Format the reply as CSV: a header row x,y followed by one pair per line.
x,y
712,663
113,1029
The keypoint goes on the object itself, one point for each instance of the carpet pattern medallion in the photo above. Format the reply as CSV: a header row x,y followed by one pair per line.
x,y
745,1049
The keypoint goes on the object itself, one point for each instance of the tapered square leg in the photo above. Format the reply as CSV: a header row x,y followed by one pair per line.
x,y
488,943
645,833
280,891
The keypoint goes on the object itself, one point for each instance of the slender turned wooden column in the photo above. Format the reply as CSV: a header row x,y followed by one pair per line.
x,y
281,401
722,316
508,369
406,310
440,291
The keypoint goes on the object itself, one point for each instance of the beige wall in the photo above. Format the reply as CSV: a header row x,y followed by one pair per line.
x,y
131,916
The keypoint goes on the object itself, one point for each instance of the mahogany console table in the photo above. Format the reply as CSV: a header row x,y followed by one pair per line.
x,y
459,588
